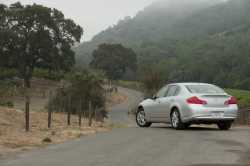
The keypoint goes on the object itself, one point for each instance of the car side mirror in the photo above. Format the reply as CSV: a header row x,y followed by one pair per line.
x,y
154,97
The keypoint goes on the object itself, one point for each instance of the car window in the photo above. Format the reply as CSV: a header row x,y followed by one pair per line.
x,y
209,89
162,92
172,91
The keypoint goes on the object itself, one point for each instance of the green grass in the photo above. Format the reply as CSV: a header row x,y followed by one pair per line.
x,y
242,96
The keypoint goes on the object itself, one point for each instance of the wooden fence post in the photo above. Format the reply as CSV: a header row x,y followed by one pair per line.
x,y
49,110
27,111
80,113
95,114
84,116
90,114
69,110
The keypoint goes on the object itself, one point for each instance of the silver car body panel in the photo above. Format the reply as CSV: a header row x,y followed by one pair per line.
x,y
159,110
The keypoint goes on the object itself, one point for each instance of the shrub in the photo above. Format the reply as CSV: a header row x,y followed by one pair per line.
x,y
242,96
9,104
47,74
82,87
6,73
152,82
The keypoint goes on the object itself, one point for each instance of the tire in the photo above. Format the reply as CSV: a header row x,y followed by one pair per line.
x,y
224,125
176,121
140,119
187,125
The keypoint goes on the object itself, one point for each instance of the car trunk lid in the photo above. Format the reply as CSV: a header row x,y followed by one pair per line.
x,y
215,100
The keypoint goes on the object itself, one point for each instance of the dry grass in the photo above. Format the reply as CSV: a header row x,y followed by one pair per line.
x,y
116,98
13,138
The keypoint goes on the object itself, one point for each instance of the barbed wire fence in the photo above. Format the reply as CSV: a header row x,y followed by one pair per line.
x,y
86,110
243,117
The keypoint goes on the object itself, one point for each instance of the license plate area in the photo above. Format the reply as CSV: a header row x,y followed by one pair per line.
x,y
218,115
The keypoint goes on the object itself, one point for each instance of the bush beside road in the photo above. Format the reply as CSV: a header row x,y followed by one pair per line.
x,y
243,97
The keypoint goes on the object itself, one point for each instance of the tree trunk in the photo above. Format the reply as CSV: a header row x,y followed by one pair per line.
x,y
27,103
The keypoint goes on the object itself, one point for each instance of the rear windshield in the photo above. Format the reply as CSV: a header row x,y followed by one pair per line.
x,y
209,89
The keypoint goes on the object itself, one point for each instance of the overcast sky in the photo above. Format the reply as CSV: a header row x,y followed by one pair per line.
x,y
93,15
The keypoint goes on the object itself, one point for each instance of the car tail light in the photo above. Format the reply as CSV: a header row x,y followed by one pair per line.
x,y
196,100
232,100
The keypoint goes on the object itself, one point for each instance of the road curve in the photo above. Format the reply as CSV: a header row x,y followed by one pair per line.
x,y
156,146
119,113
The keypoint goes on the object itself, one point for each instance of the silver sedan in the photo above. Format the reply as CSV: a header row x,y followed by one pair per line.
x,y
184,104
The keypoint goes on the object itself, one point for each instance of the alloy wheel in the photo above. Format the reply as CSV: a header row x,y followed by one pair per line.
x,y
141,118
175,119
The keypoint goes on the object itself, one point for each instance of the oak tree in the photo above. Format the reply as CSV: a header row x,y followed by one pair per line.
x,y
114,59
36,36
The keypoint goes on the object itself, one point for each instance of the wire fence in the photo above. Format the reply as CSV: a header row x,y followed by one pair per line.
x,y
243,117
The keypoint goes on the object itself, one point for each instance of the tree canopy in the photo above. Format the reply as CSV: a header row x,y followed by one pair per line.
x,y
114,59
36,36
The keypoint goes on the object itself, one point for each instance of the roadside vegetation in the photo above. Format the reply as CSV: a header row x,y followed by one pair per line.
x,y
243,97
35,36
65,122
83,94
14,139
42,91
114,60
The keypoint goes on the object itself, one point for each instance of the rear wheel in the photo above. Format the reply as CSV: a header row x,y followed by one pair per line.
x,y
187,125
224,125
176,120
141,119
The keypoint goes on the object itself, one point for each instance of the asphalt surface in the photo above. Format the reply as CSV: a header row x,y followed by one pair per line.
x,y
156,146
119,113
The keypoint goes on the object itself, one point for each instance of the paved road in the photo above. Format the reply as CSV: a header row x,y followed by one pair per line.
x,y
119,113
156,146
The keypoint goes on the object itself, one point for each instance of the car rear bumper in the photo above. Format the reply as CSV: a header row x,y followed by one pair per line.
x,y
211,115
209,120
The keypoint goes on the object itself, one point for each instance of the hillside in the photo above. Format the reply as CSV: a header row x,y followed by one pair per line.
x,y
149,24
191,40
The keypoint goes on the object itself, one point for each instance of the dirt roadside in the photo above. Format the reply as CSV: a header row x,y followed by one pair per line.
x,y
14,139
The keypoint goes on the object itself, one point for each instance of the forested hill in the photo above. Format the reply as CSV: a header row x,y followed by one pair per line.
x,y
185,29
153,23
